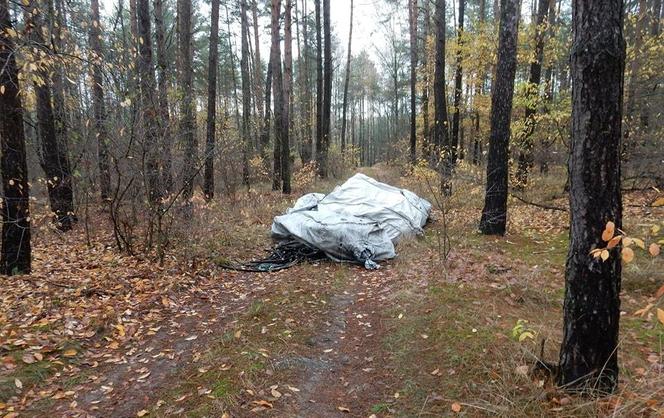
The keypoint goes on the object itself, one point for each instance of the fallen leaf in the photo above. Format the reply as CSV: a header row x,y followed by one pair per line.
x,y
627,254
70,353
343,409
660,315
456,407
654,249
660,292
18,383
263,403
142,413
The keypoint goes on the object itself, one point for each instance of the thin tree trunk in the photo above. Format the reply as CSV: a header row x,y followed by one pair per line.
x,y
347,83
258,65
287,87
213,61
246,93
187,121
525,142
319,89
426,131
589,351
494,214
441,134
148,102
265,135
277,95
54,157
98,104
634,74
413,15
458,79
327,89
15,257
162,93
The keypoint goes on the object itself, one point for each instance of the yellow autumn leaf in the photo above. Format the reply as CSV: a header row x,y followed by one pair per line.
x,y
142,413
639,243
627,254
70,353
660,315
627,241
658,202
605,255
655,229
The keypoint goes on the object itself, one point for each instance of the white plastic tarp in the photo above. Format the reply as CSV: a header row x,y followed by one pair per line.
x,y
361,220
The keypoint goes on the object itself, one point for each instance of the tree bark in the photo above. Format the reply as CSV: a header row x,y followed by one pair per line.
x,y
187,126
413,15
287,87
15,257
98,104
441,133
54,154
458,80
494,214
277,95
347,82
327,90
426,129
213,61
148,102
525,142
588,356
246,92
319,87
162,93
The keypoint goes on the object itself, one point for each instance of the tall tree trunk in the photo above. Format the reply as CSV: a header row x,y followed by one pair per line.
x,y
413,15
305,92
98,104
525,142
494,214
246,93
277,94
287,86
162,92
589,355
54,156
258,65
15,257
426,131
347,83
148,102
319,88
479,89
441,133
458,79
187,126
327,89
213,61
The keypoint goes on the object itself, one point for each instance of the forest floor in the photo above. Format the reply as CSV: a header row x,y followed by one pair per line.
x,y
96,333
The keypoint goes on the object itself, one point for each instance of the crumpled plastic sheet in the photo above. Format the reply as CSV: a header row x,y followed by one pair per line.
x,y
360,221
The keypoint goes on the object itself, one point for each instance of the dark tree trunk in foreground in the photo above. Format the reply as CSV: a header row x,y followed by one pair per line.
x,y
525,162
287,88
319,87
162,92
15,256
187,122
246,92
458,79
208,177
494,214
413,14
441,133
98,104
588,356
327,90
148,102
277,95
346,83
54,154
